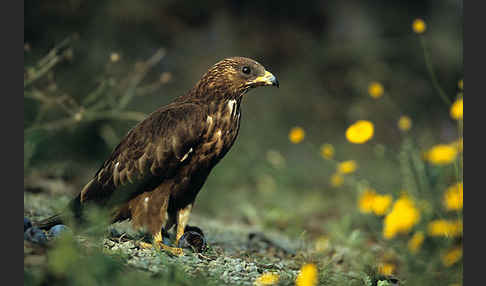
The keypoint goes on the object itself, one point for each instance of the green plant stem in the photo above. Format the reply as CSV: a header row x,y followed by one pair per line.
x,y
430,69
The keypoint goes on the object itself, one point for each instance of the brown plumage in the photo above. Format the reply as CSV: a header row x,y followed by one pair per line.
x,y
154,175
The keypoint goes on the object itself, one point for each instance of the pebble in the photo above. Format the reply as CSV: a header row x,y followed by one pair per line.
x,y
57,230
27,223
35,235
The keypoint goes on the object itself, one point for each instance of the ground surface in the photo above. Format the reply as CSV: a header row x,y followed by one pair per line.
x,y
237,254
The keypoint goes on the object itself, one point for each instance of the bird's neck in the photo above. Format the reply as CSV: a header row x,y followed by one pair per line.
x,y
223,105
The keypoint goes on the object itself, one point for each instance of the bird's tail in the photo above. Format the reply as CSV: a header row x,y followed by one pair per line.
x,y
74,208
49,222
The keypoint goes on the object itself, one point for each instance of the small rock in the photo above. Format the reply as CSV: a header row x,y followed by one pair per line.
x,y
58,230
109,243
194,228
194,240
113,232
27,223
35,235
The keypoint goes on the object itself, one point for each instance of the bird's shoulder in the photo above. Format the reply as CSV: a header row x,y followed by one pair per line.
x,y
155,146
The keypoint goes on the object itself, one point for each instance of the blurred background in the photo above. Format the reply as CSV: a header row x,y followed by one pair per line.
x,y
116,61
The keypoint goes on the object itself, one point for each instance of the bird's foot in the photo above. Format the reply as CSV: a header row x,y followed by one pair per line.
x,y
176,251
145,245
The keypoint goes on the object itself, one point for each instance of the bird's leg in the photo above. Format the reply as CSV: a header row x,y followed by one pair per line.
x,y
159,244
182,219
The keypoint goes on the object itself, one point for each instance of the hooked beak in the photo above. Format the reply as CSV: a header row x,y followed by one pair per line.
x,y
267,79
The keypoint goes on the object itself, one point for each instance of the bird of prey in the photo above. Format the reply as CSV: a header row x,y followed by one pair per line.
x,y
155,173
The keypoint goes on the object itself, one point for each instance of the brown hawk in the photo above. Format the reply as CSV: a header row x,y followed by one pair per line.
x,y
155,173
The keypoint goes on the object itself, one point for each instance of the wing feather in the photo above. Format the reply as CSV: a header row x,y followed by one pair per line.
x,y
150,152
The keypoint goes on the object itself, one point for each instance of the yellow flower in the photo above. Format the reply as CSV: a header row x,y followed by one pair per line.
x,y
460,84
441,154
336,180
386,269
457,109
296,135
365,202
267,279
416,241
453,197
375,89
360,132
452,256
114,57
327,151
372,202
442,227
405,123
419,26
381,204
307,275
347,167
322,243
403,216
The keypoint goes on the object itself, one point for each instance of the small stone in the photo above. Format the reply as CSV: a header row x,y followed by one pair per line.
x,y
113,232
57,230
27,223
193,240
35,235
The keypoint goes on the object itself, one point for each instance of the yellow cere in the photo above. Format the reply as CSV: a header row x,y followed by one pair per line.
x,y
386,269
441,154
347,167
453,197
445,228
405,123
456,110
296,135
327,151
419,26
336,180
403,216
460,84
267,279
360,132
416,241
375,89
452,256
307,275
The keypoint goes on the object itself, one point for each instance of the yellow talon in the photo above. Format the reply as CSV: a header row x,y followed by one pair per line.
x,y
172,250
145,245
159,245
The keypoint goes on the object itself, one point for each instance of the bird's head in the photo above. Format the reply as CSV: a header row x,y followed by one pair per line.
x,y
235,76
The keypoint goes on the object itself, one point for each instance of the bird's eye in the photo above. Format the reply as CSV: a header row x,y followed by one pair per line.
x,y
246,70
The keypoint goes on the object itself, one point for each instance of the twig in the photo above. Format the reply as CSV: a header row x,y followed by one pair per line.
x,y
88,116
47,63
131,91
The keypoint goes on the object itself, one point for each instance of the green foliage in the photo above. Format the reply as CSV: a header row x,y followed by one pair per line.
x,y
70,263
